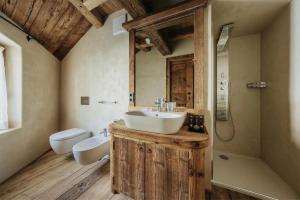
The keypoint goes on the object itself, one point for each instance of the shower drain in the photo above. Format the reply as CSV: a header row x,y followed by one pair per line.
x,y
224,157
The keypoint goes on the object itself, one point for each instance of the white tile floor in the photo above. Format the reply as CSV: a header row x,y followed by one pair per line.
x,y
251,176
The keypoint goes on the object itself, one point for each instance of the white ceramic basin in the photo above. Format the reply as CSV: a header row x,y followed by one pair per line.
x,y
157,122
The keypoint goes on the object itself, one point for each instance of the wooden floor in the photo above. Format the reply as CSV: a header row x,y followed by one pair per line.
x,y
60,177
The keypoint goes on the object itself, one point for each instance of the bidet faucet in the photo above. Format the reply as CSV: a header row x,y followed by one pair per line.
x,y
160,103
104,132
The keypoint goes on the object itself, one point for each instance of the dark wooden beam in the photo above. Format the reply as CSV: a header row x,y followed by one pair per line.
x,y
180,34
142,45
180,10
161,44
93,17
187,19
136,9
142,48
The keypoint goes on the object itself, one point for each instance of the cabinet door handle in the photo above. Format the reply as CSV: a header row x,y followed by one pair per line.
x,y
149,151
199,174
141,149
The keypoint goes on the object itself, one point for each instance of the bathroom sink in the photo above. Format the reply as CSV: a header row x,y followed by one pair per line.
x,y
156,122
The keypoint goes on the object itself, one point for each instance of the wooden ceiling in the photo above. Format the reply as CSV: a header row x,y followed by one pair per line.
x,y
58,24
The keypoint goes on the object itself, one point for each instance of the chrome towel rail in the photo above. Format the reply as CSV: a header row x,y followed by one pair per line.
x,y
108,102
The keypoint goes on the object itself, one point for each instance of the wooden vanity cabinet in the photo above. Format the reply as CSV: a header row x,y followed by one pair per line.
x,y
154,168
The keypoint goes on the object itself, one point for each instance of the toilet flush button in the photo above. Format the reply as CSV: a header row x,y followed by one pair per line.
x,y
84,100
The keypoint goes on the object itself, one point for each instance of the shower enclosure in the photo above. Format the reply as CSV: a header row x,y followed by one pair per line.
x,y
255,148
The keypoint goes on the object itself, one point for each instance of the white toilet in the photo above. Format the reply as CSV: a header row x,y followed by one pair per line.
x,y
62,142
91,150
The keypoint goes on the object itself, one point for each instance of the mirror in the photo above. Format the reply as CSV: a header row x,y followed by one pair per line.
x,y
168,76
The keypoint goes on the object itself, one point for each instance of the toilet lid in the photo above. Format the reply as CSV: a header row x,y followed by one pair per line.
x,y
67,134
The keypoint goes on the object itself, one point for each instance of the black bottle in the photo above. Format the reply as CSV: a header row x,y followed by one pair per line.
x,y
191,122
197,124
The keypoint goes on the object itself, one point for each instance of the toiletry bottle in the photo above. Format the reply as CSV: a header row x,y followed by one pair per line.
x,y
197,124
191,122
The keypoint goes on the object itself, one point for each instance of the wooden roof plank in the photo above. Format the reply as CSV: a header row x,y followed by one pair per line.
x,y
94,20
67,23
2,3
42,18
21,17
9,7
72,38
35,9
57,15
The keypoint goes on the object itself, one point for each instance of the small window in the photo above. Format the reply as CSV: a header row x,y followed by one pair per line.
x,y
3,93
10,84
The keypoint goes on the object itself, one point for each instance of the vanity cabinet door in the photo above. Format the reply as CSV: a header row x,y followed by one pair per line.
x,y
127,166
168,173
156,172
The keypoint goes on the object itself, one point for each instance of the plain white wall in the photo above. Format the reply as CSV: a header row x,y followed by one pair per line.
x,y
97,67
40,104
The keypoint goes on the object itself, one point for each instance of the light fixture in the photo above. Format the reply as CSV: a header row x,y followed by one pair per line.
x,y
148,41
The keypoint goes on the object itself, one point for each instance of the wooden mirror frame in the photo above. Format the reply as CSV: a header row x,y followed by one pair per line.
x,y
194,9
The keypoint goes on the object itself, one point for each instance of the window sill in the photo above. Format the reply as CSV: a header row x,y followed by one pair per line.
x,y
9,130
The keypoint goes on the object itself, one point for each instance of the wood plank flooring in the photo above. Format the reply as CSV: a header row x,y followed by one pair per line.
x,y
59,177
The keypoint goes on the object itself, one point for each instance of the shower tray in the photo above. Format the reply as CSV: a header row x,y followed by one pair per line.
x,y
250,176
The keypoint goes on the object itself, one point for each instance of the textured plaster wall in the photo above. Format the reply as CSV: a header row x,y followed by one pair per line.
x,y
96,67
280,125
38,113
244,67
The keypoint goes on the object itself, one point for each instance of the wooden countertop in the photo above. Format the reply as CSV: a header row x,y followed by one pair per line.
x,y
183,138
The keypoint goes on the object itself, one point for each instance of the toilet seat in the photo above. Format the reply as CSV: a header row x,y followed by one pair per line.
x,y
67,134
63,141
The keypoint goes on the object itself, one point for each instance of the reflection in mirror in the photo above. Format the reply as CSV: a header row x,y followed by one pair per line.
x,y
170,77
180,80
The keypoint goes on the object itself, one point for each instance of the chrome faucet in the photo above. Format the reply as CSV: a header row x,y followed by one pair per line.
x,y
104,132
160,103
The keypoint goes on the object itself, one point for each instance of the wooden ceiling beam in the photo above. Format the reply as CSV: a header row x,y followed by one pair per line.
x,y
95,19
157,39
141,44
142,47
187,19
165,15
91,4
181,34
136,9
